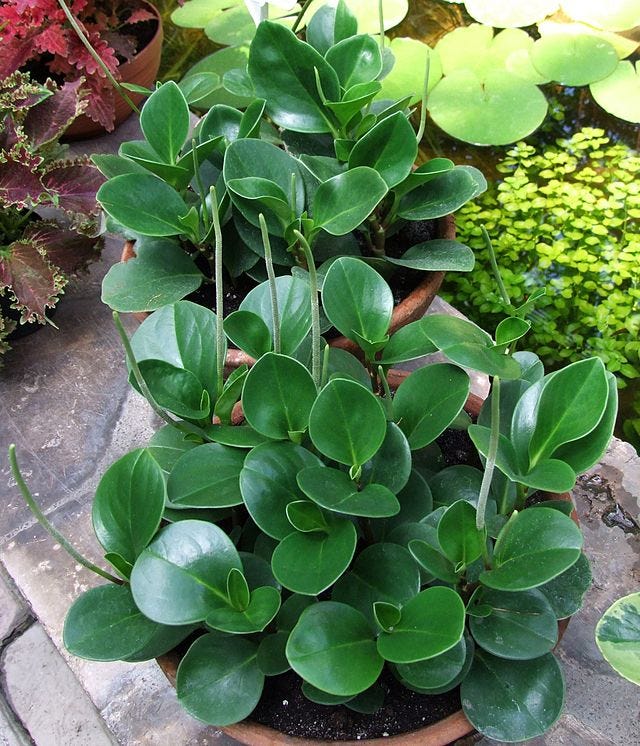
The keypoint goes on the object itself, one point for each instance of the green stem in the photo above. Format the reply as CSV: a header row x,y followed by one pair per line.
x,y
316,370
386,400
81,35
381,22
325,365
275,311
201,190
48,526
303,10
423,106
217,231
494,266
490,465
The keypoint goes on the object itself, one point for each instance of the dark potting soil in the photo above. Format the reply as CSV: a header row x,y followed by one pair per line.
x,y
284,707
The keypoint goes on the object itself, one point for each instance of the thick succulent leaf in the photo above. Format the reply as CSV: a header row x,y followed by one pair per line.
x,y
566,592
182,575
165,121
356,60
330,25
439,255
460,540
391,464
437,672
618,636
261,608
512,700
207,477
128,504
332,648
218,680
443,195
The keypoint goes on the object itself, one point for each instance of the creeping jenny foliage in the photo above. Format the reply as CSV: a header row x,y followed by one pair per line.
x,y
568,217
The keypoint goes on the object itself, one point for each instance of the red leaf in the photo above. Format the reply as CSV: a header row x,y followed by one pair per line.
x,y
48,120
101,102
75,185
19,184
14,54
66,249
31,280
140,15
8,134
54,40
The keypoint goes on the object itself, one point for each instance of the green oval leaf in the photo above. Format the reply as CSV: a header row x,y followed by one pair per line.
x,y
439,255
619,93
566,592
443,195
332,648
207,477
618,636
341,203
356,60
461,541
574,59
262,607
391,464
437,672
164,120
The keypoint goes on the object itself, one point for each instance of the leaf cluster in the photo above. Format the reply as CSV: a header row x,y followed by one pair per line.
x,y
321,533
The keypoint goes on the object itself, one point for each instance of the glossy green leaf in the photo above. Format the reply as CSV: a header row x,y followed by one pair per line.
x,y
439,255
175,389
437,672
218,680
566,592
163,640
220,62
128,504
442,195
248,332
520,626
390,148
430,557
111,165
446,331
182,575
432,623
165,120
618,637
461,541
422,410
368,23
332,648
283,71
574,59
306,516
357,300
459,482
272,659
426,172
144,204
511,329
330,25
408,343
415,501
512,700
268,484
347,422
313,694
291,610
327,555
278,396
231,392
382,572
534,547
264,193
484,360
343,202
220,121
104,624
294,306
207,477
161,273
238,436
141,153
167,445
391,464
262,607
354,101
333,490
343,364
386,615
356,59
197,88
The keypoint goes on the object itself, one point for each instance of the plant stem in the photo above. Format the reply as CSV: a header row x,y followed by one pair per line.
x,y
201,190
217,231
381,21
491,455
316,367
81,35
423,106
48,526
303,10
325,365
379,237
387,402
494,266
275,311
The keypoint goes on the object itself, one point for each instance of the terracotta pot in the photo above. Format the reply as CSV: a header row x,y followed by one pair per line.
x,y
412,308
142,70
442,733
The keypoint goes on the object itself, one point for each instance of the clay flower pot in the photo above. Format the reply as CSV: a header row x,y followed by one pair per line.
x,y
411,308
441,733
141,70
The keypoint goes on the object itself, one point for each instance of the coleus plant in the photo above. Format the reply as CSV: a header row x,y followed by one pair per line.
x,y
322,534
40,31
324,163
37,255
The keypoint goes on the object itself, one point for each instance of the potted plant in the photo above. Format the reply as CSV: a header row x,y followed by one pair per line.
x,y
299,159
327,539
50,219
99,42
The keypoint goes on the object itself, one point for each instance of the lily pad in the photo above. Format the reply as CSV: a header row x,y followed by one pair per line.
x,y
623,46
574,60
511,14
619,94
612,16
495,110
367,15
407,75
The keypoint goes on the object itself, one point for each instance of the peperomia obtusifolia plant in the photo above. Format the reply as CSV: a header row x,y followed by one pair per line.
x,y
315,152
322,533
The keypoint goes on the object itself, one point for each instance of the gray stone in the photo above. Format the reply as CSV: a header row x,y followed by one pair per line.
x,y
46,695
13,612
11,732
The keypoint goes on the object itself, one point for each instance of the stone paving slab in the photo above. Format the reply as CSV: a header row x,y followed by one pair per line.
x,y
14,614
47,697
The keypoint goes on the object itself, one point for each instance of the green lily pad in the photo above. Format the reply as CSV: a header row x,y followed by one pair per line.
x,y
407,75
616,16
495,110
510,14
619,94
574,60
